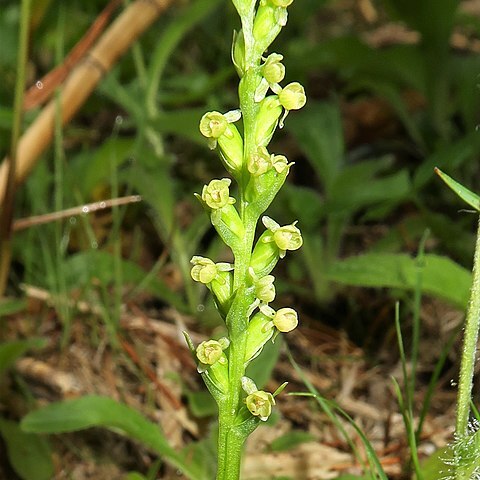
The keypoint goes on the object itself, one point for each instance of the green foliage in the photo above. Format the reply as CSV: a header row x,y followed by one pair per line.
x,y
29,454
441,276
11,351
94,411
290,440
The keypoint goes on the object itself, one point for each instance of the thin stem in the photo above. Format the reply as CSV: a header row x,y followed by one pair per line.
x,y
7,203
230,441
467,365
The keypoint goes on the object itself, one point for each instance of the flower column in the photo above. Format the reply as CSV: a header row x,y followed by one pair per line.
x,y
246,287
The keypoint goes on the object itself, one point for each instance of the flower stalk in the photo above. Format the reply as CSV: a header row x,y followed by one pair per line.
x,y
243,290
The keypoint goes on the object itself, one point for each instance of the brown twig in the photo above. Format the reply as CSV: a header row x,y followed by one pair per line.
x,y
23,223
44,88
81,81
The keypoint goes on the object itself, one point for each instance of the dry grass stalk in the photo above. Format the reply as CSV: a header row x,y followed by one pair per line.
x,y
83,79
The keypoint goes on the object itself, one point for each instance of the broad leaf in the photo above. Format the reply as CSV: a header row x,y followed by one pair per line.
x,y
96,411
29,454
441,276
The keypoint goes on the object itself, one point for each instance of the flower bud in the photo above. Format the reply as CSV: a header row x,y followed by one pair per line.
x,y
265,255
267,119
265,289
231,149
209,352
217,194
292,97
269,20
273,70
238,52
260,404
285,319
260,331
221,287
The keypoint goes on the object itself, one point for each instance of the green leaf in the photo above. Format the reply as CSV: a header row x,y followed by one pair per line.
x,y
10,351
83,268
290,440
135,476
357,187
202,404
29,454
442,277
463,192
9,306
96,411
181,122
95,169
319,132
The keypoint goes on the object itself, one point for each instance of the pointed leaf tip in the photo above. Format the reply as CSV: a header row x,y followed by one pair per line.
x,y
463,192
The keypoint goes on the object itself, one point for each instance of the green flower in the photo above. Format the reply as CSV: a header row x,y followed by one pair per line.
x,y
209,352
292,97
260,404
280,163
213,125
259,162
285,319
217,194
273,72
286,238
205,270
273,68
265,289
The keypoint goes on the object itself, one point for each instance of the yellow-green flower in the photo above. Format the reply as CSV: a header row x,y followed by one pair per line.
x,y
265,289
259,162
292,97
205,270
260,404
209,352
285,319
213,124
217,194
273,69
280,163
286,238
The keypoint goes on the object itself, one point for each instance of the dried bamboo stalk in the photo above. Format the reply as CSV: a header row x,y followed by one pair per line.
x,y
83,79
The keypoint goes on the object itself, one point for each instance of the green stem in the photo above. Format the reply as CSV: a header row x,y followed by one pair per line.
x,y
7,203
230,440
472,324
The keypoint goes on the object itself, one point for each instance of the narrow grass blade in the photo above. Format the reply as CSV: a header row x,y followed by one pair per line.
x,y
375,469
463,192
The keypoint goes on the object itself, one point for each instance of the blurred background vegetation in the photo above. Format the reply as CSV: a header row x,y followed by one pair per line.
x,y
392,92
